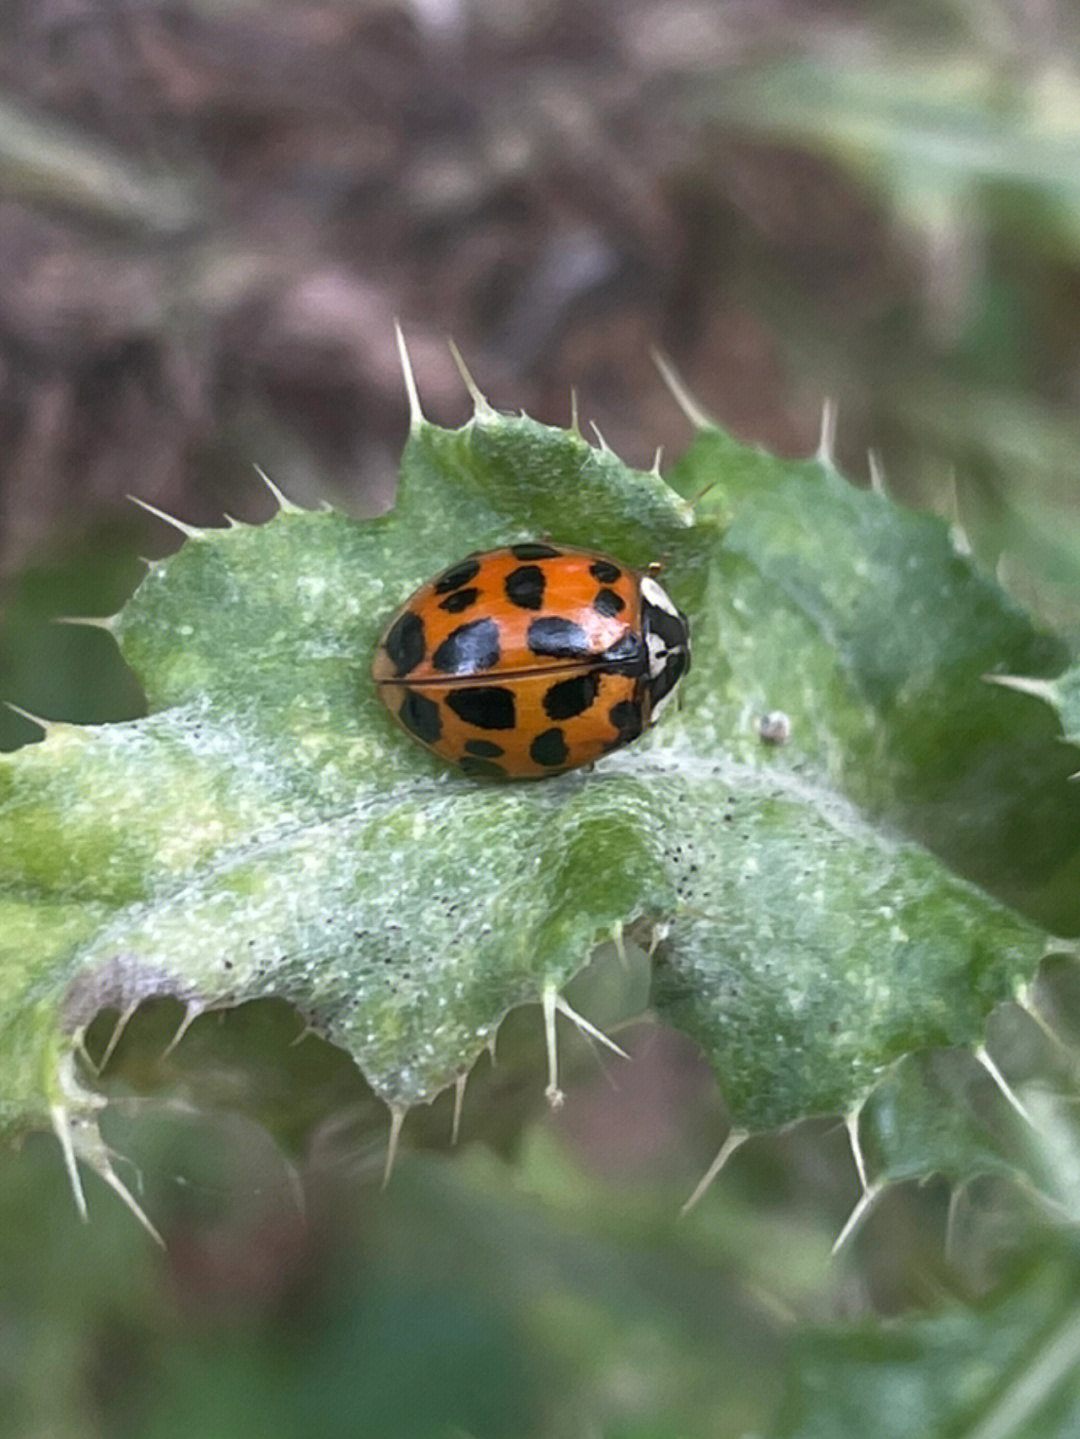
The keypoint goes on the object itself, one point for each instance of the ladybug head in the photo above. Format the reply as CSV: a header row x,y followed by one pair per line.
x,y
666,632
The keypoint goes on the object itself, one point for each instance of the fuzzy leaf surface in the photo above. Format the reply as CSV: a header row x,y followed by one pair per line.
x,y
267,829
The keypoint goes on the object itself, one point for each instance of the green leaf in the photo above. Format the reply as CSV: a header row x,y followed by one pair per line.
x,y
881,633
988,1372
267,829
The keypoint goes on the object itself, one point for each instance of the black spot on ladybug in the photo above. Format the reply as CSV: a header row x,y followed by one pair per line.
x,y
485,706
534,551
405,643
468,650
571,697
673,629
549,749
525,587
483,748
420,716
675,666
626,717
604,571
460,600
629,655
608,603
482,768
458,575
562,639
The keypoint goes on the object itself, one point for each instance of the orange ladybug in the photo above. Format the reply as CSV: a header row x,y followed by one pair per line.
x,y
530,660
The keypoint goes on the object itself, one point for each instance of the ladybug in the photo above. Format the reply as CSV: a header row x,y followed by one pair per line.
x,y
531,660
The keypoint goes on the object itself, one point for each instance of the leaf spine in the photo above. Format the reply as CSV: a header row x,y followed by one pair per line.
x,y
416,414
482,408
190,532
686,402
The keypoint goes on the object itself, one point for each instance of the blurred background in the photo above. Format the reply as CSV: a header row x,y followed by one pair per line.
x,y
211,211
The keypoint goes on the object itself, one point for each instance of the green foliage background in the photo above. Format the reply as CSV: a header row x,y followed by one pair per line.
x,y
266,830
235,928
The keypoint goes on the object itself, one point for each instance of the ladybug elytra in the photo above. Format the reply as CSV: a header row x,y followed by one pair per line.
x,y
530,660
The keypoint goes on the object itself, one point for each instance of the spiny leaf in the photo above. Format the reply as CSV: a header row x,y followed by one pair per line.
x,y
988,1372
267,829
866,620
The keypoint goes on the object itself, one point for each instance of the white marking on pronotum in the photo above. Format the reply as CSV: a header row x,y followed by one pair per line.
x,y
735,1140
190,532
661,704
657,596
416,414
658,653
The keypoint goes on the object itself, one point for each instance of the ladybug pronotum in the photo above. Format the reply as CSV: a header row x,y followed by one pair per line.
x,y
531,660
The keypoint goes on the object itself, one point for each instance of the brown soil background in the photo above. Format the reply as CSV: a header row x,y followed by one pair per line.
x,y
226,206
